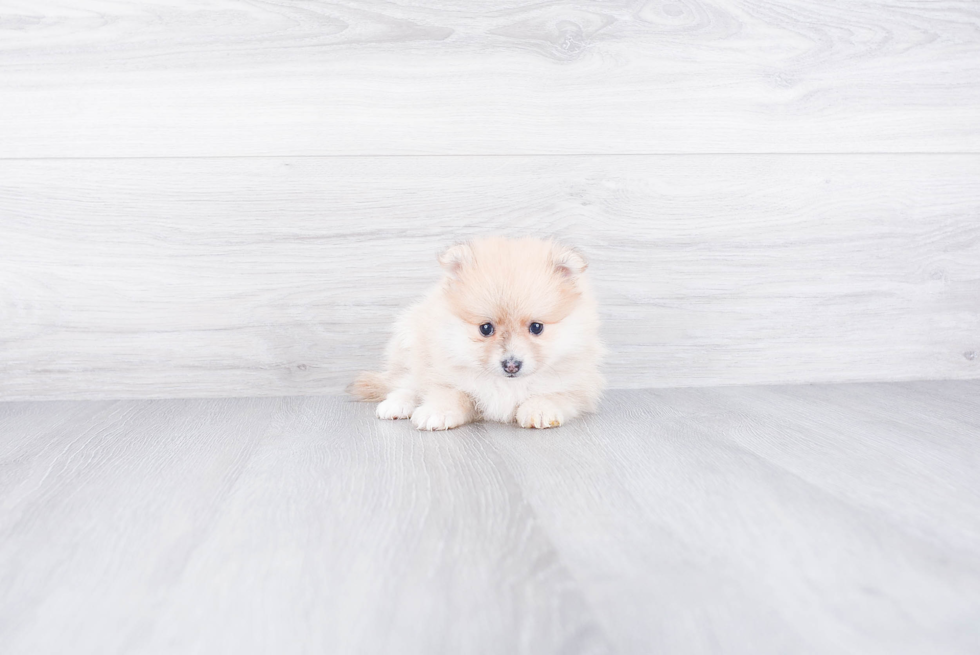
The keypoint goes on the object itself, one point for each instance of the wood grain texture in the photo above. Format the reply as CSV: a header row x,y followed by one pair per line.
x,y
243,277
819,519
278,525
230,77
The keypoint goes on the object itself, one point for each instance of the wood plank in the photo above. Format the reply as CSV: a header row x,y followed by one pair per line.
x,y
131,79
163,278
917,438
285,525
765,520
819,519
101,513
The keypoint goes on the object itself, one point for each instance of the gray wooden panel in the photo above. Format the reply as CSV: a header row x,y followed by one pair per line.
x,y
269,525
818,519
218,277
286,78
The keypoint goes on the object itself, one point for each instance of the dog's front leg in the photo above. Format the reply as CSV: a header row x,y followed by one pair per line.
x,y
443,408
549,410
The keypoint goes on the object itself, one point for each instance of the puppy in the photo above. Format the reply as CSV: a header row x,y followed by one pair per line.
x,y
509,333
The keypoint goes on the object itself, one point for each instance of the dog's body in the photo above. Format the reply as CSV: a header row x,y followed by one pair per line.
x,y
511,332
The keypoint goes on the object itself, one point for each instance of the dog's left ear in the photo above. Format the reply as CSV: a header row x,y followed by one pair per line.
x,y
569,262
455,258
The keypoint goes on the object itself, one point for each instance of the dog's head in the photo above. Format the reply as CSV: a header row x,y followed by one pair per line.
x,y
515,301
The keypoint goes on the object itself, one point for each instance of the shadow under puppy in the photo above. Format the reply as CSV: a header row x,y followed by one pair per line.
x,y
509,333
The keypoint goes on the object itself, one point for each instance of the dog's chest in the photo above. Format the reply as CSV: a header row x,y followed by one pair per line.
x,y
498,400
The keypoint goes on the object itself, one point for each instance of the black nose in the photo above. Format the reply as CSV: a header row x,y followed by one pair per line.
x,y
511,365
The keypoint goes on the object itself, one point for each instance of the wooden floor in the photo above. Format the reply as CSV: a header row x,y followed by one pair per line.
x,y
827,519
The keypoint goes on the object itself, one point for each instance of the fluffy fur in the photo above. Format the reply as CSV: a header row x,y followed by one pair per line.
x,y
442,372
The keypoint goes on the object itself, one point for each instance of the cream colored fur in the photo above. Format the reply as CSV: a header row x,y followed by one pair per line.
x,y
442,372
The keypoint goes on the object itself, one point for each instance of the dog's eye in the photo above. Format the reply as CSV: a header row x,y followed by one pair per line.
x,y
486,329
536,328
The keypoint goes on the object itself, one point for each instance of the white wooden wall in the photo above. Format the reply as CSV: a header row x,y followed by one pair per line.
x,y
233,198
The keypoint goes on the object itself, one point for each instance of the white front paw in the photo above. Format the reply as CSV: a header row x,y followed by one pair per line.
x,y
394,408
539,413
428,417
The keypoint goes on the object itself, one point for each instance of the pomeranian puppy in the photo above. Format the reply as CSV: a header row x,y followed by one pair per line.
x,y
509,333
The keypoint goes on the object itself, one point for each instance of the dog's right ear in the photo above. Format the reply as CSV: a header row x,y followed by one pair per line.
x,y
455,258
